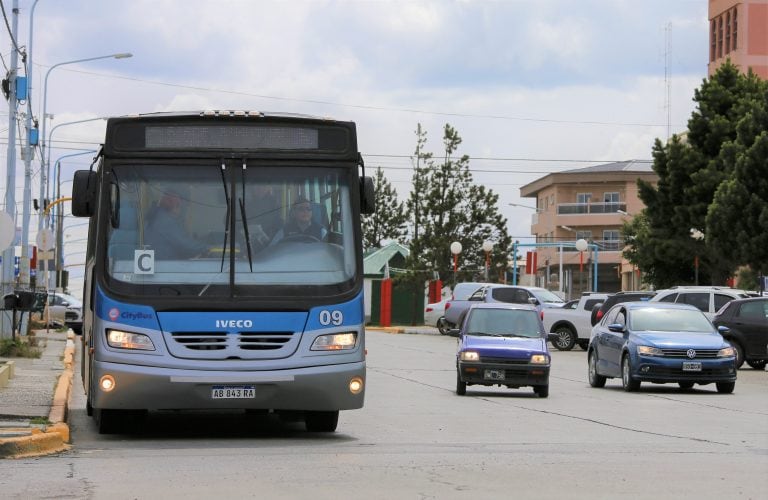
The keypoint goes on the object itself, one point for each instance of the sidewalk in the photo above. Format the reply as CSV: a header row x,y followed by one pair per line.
x,y
33,398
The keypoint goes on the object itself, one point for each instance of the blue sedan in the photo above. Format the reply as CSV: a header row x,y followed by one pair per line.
x,y
661,343
505,345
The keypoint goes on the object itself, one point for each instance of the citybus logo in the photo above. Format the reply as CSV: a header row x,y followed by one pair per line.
x,y
234,323
114,313
135,315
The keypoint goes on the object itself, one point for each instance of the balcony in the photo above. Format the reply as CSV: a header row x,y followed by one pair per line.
x,y
590,208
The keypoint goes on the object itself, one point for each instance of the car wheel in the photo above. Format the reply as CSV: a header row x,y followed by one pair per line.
x,y
566,338
739,353
595,379
442,326
685,385
629,382
725,387
541,390
757,364
321,421
461,387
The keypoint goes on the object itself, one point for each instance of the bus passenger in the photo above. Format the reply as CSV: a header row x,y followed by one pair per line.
x,y
166,233
300,225
263,214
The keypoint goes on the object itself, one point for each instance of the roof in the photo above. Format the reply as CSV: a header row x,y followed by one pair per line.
x,y
624,171
375,261
619,166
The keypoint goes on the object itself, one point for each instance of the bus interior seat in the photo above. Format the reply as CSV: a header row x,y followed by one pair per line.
x,y
125,239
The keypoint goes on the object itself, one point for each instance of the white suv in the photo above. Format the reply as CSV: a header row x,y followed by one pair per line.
x,y
709,299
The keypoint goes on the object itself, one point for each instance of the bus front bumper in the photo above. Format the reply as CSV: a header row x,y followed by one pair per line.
x,y
316,388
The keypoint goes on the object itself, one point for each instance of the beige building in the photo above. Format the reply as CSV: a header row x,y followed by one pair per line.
x,y
591,204
738,29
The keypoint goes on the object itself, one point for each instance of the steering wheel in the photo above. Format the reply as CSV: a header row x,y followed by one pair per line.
x,y
306,238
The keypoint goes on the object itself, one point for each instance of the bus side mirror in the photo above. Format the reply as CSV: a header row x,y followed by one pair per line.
x,y
84,193
367,196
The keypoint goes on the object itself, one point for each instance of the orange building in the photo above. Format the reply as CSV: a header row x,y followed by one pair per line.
x,y
738,29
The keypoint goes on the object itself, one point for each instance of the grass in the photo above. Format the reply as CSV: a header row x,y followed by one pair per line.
x,y
18,348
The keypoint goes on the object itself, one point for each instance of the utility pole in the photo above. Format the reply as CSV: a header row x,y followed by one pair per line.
x,y
10,191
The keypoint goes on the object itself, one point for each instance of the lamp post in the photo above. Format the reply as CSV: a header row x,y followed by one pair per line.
x,y
455,250
581,245
44,170
487,248
698,236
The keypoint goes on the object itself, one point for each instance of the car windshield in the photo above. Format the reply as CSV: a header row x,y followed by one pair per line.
x,y
547,296
503,323
669,320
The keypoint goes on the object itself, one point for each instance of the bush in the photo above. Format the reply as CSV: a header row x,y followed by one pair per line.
x,y
19,348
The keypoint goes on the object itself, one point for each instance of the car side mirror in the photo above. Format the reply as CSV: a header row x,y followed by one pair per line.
x,y
723,329
533,300
454,332
617,327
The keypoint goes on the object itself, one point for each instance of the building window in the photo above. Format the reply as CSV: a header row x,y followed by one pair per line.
x,y
611,239
584,235
727,32
720,37
583,197
734,29
712,40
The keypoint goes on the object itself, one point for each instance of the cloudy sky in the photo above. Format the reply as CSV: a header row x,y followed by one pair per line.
x,y
532,86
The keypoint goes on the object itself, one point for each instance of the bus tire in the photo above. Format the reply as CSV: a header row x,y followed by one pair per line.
x,y
321,421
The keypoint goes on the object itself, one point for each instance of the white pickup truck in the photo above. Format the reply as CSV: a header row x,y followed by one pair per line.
x,y
572,325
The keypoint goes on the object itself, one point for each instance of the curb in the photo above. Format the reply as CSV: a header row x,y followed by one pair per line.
x,y
386,329
55,437
6,372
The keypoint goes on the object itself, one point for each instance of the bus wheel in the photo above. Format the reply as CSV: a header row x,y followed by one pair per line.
x,y
119,421
321,421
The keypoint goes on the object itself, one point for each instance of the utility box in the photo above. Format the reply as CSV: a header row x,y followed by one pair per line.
x,y
21,88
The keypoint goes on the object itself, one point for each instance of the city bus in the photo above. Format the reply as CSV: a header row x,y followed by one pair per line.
x,y
202,288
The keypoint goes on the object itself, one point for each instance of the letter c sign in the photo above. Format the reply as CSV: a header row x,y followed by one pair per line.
x,y
144,262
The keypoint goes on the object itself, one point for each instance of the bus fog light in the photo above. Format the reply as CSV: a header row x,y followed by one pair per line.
x,y
107,383
356,385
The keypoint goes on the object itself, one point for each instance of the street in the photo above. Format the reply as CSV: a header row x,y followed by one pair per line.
x,y
415,438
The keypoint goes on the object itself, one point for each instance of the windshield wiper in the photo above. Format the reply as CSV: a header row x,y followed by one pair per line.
x,y
245,220
226,220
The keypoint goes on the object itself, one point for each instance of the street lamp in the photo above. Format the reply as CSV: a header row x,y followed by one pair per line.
x,y
455,250
487,247
44,170
698,236
524,206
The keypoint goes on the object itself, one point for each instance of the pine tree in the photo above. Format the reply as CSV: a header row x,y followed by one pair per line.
x,y
389,220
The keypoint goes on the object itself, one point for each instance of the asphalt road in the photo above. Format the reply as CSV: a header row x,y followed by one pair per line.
x,y
416,439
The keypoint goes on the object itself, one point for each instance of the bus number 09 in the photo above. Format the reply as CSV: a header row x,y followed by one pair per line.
x,y
334,317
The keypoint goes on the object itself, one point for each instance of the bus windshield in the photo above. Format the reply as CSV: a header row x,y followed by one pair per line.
x,y
202,228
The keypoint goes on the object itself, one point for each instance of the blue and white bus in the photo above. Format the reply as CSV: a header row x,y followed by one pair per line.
x,y
199,294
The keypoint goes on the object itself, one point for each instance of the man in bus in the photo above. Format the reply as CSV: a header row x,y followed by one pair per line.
x,y
300,225
166,231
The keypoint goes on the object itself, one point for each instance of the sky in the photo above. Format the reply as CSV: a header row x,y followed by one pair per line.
x,y
531,86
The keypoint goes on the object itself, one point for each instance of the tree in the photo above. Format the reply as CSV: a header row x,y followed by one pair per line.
x,y
690,173
446,206
389,220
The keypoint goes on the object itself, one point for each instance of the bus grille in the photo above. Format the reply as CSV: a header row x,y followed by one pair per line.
x,y
232,345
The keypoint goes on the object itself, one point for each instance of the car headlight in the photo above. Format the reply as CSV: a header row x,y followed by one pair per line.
x,y
128,340
539,359
726,352
334,342
646,350
469,356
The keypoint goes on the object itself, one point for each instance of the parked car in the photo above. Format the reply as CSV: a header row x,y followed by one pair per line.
x,y
660,343
460,293
511,294
708,299
434,315
63,309
746,328
572,325
505,345
599,309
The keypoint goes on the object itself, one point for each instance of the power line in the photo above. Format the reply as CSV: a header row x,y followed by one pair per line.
x,y
10,33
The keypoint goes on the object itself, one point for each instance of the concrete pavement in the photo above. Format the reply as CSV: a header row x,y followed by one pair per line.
x,y
34,395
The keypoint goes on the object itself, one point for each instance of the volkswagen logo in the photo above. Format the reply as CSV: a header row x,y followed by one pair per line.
x,y
691,353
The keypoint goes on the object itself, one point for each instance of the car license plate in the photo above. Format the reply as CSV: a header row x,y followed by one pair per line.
x,y
233,392
691,366
494,374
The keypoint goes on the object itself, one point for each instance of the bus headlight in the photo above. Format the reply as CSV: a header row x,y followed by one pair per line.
x,y
128,340
335,342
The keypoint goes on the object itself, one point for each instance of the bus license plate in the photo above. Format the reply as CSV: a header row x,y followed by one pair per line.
x,y
494,374
233,392
691,366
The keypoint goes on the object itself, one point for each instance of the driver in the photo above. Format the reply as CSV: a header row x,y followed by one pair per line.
x,y
300,223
